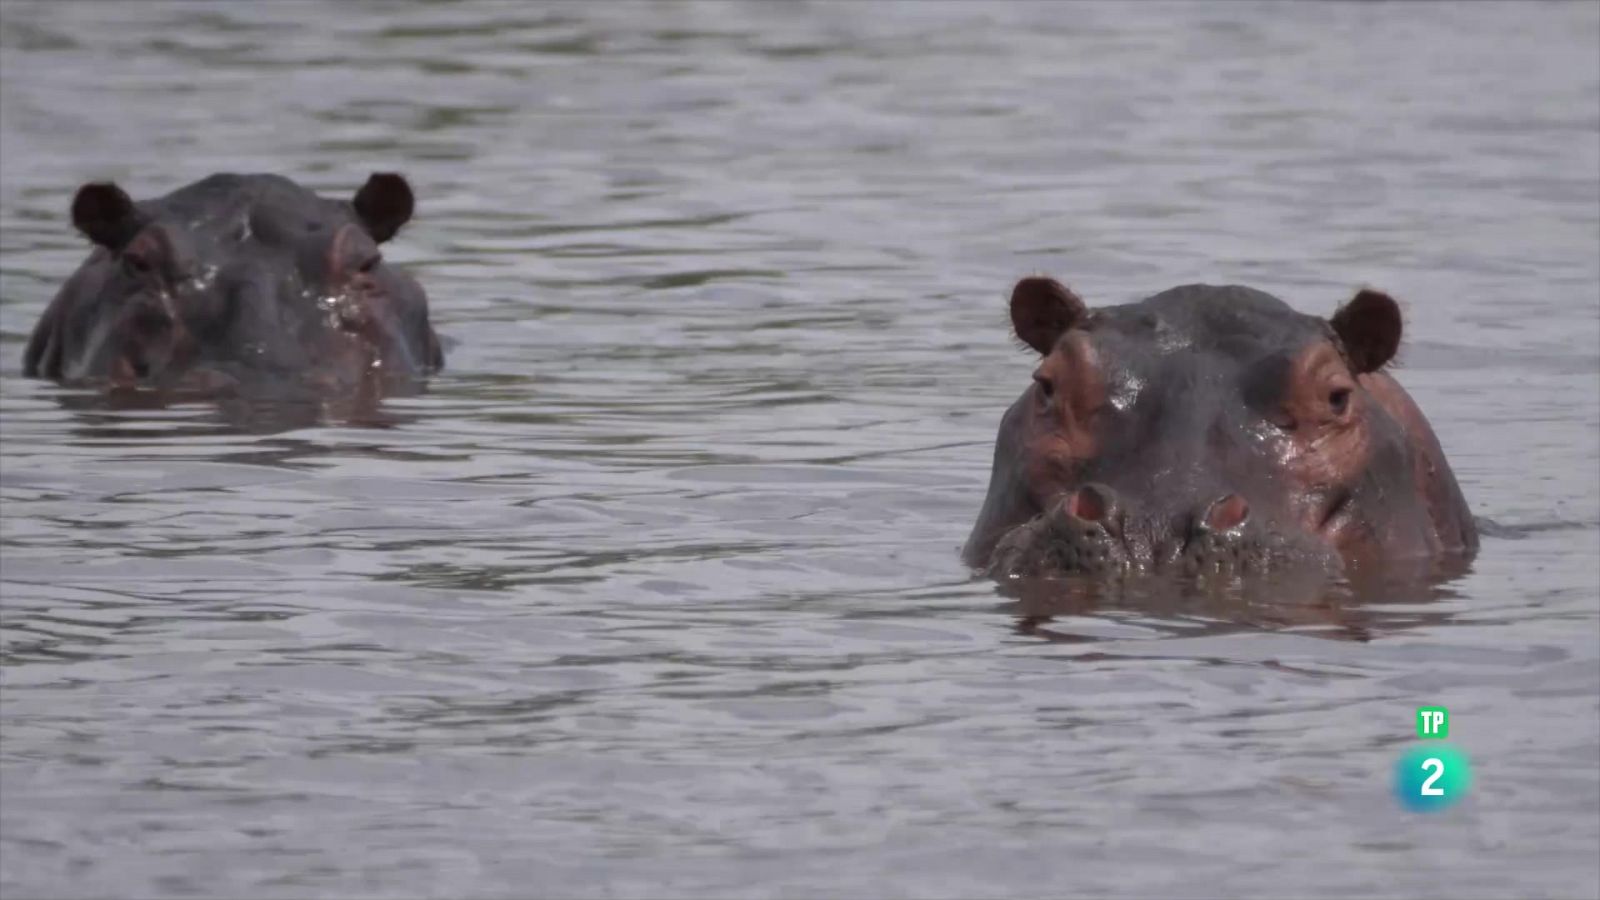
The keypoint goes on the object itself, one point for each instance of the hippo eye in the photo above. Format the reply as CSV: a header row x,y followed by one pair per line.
x,y
1046,386
1339,400
370,263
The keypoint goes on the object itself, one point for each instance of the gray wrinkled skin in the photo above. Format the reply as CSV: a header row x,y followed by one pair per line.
x,y
1192,377
1058,543
239,283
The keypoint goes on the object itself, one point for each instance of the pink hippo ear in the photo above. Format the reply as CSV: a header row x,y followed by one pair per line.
x,y
105,214
384,204
1042,309
1369,330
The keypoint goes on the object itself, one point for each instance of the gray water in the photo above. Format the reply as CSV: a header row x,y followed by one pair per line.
x,y
655,592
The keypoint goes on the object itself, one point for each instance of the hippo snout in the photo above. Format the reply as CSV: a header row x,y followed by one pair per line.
x,y
1081,532
1091,530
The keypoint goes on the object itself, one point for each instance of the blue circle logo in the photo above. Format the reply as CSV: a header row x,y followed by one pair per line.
x,y
1431,778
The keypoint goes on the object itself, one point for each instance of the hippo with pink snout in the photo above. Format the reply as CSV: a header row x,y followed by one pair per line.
x,y
1212,429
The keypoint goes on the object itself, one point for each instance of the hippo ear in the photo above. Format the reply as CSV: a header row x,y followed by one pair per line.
x,y
383,204
106,215
1369,328
1042,309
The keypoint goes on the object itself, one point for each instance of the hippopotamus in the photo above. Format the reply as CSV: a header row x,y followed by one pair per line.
x,y
238,281
1212,429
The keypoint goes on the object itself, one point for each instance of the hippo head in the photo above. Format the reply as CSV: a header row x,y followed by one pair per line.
x,y
1211,429
237,280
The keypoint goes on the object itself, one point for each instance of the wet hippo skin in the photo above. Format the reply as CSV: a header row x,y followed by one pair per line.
x,y
1211,429
238,281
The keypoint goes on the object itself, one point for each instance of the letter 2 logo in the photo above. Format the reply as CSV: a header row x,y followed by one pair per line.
x,y
1434,776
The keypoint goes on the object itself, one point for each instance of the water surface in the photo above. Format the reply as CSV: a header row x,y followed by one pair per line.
x,y
656,591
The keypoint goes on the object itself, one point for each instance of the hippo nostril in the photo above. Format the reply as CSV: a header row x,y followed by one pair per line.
x,y
1092,503
1226,514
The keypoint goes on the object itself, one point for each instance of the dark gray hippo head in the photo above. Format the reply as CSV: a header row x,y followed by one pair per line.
x,y
238,282
1212,429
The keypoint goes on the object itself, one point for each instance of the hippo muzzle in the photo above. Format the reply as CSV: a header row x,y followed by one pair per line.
x,y
1088,532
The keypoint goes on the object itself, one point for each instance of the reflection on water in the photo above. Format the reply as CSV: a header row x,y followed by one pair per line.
x,y
1360,605
126,413
654,591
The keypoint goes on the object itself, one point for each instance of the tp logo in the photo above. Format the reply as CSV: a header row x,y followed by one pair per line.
x,y
1432,777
